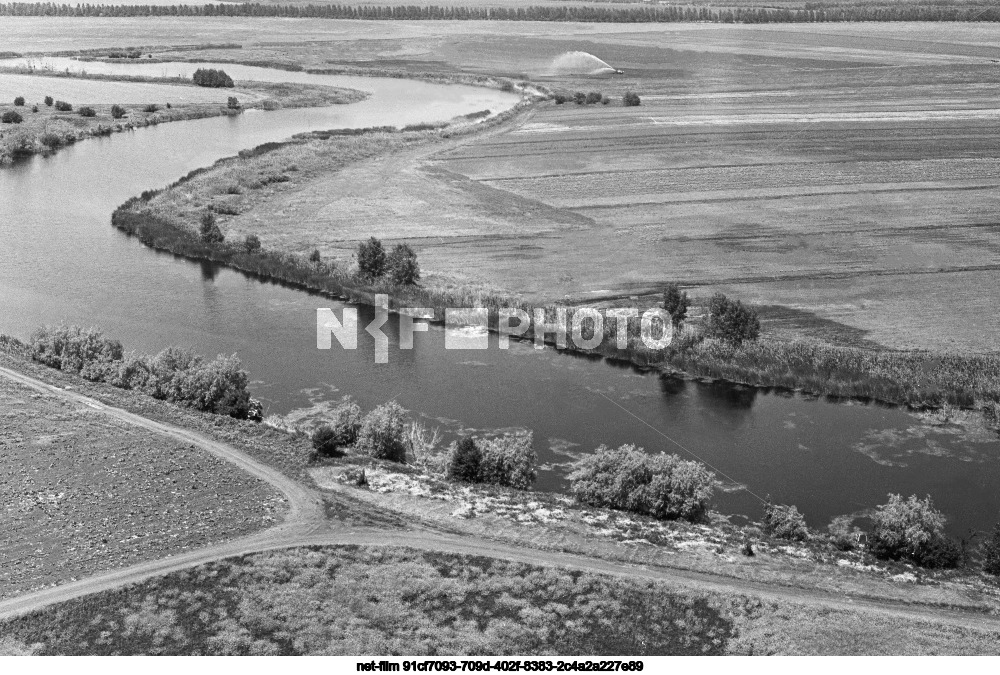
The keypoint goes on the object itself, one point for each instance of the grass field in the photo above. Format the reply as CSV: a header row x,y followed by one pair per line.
x,y
84,493
349,600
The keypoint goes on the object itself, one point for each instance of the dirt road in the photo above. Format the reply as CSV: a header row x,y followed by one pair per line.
x,y
306,525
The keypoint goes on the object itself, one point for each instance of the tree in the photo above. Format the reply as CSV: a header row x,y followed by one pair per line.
x,y
912,529
48,100
210,232
784,522
19,100
508,460
63,106
371,258
324,441
252,244
630,99
382,434
401,265
676,303
991,553
731,321
87,111
117,112
593,97
210,77
465,460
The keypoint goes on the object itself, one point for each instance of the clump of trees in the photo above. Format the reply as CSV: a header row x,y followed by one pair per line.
x,y
676,303
209,231
62,106
731,321
11,117
117,111
912,529
210,77
630,99
19,100
662,486
382,433
784,522
400,266
507,460
87,111
178,375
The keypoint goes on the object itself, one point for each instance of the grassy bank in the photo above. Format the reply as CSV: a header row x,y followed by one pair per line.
x,y
45,129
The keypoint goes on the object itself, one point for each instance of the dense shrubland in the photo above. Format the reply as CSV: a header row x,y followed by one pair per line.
x,y
177,375
662,486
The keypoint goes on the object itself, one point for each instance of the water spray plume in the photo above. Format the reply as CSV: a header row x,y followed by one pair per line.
x,y
580,63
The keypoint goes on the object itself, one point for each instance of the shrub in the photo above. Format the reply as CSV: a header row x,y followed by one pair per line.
x,y
48,100
784,522
605,100
117,112
19,100
630,99
663,486
11,117
73,349
560,98
346,423
991,553
210,77
315,257
371,258
51,140
401,265
324,441
150,108
732,321
210,232
508,460
912,529
382,433
842,534
63,106
465,460
676,303
252,244
579,97
593,97
87,111
34,108
233,103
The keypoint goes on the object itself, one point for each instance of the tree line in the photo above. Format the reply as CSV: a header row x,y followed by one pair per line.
x,y
939,10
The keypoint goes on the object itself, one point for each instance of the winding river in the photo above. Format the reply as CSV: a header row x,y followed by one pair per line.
x,y
61,261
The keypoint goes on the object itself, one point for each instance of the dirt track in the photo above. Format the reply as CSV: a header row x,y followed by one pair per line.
x,y
306,525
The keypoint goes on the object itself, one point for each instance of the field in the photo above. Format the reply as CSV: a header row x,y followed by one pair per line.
x,y
354,600
85,493
841,176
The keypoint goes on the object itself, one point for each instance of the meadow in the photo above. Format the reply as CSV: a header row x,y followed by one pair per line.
x,y
366,600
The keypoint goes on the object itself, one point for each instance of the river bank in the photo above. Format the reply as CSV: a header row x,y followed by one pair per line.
x,y
44,128
407,497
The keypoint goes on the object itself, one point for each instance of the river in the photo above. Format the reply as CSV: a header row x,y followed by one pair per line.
x,y
62,261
